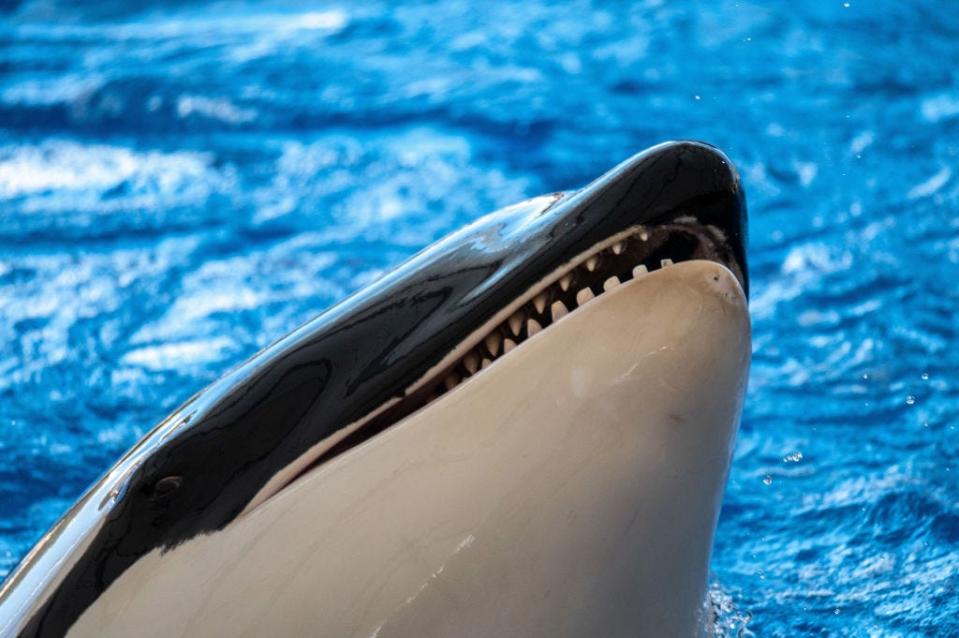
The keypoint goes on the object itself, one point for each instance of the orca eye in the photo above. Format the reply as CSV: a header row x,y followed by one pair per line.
x,y
165,487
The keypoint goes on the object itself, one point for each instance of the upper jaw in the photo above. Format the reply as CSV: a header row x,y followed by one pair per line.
x,y
514,273
671,185
474,296
674,202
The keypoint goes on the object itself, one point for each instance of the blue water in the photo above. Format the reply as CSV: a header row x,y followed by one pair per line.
x,y
179,187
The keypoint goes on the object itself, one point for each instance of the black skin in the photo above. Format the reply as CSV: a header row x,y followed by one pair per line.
x,y
238,433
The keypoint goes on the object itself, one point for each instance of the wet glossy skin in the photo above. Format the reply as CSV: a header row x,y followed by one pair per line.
x,y
199,469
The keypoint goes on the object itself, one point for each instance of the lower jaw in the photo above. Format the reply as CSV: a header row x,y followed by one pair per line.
x,y
588,465
462,371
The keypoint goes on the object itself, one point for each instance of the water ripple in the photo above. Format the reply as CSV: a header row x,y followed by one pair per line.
x,y
181,185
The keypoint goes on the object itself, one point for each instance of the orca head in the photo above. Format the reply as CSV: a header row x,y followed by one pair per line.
x,y
379,356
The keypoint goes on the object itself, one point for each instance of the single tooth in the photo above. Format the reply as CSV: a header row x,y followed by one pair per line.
x,y
665,262
610,283
486,363
493,342
591,263
559,310
508,345
540,302
451,380
471,361
618,247
584,295
516,323
565,281
644,236
640,271
532,327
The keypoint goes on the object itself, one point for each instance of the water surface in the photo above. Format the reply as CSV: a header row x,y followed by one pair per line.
x,y
179,187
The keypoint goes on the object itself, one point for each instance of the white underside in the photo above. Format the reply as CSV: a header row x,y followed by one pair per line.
x,y
571,489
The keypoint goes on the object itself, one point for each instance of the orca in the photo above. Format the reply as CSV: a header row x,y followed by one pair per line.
x,y
523,430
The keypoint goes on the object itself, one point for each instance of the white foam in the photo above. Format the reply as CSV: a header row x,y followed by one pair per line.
x,y
173,355
931,185
67,175
940,107
214,108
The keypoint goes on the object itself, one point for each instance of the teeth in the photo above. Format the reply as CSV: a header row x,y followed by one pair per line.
x,y
493,342
471,361
532,327
474,362
451,381
559,310
584,295
539,302
516,323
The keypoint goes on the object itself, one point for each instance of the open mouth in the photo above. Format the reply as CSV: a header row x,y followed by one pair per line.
x,y
474,297
628,255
